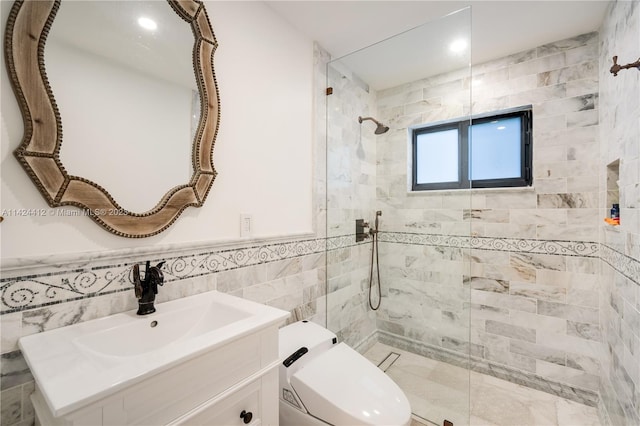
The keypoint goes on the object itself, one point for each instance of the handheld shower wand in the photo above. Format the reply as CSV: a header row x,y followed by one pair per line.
x,y
378,214
374,249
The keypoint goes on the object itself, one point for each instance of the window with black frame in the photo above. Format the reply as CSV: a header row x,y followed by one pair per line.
x,y
489,151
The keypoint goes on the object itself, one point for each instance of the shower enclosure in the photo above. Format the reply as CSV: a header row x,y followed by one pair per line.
x,y
420,334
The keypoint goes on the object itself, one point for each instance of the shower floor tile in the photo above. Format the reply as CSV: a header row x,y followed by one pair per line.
x,y
439,391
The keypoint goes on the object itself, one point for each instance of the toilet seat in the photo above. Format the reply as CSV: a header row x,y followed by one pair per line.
x,y
378,399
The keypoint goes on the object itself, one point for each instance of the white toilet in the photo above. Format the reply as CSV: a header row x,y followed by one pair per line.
x,y
325,382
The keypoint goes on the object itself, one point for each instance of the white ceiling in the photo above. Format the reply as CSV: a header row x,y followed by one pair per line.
x,y
497,28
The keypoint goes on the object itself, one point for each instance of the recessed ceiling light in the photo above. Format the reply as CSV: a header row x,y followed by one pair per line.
x,y
147,24
458,46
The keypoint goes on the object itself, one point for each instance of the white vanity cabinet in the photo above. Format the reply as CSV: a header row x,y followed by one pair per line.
x,y
207,359
211,389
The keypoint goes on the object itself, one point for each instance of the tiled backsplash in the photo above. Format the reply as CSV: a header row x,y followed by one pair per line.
x,y
22,291
29,291
288,274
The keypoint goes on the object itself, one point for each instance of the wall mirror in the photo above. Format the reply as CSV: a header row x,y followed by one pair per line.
x,y
138,100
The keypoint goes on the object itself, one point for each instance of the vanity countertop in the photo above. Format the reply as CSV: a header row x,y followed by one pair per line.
x,y
79,364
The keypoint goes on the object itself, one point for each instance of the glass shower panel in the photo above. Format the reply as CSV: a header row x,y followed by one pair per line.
x,y
416,242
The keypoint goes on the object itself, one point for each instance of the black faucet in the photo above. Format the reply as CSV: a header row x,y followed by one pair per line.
x,y
147,289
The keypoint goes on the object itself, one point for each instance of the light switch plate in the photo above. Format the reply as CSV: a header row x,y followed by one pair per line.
x,y
246,224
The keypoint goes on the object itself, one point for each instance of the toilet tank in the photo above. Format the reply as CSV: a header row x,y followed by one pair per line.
x,y
304,334
299,343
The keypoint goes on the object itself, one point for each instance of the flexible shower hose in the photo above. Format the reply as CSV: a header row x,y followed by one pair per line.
x,y
374,248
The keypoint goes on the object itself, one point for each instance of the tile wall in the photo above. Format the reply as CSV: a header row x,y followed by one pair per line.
x,y
285,274
528,277
351,189
549,306
620,249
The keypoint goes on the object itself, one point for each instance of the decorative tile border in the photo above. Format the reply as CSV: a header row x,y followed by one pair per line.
x,y
627,266
28,291
24,292
520,245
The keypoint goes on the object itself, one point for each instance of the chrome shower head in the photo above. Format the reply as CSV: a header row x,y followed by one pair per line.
x,y
381,127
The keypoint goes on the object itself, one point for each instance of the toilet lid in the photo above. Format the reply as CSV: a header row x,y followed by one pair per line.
x,y
341,387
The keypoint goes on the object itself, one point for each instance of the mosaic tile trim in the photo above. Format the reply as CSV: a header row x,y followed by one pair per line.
x,y
33,291
29,292
627,266
194,265
558,247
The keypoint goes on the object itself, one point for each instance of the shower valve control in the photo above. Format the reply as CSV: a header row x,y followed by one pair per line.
x,y
362,230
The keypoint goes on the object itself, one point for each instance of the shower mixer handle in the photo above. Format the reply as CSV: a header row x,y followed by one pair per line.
x,y
361,232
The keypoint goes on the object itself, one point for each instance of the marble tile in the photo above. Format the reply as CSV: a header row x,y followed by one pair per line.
x,y
588,364
439,391
539,261
517,303
538,351
10,332
511,331
540,292
569,312
583,118
28,412
585,331
539,322
568,201
488,284
13,370
580,71
567,375
11,405
228,281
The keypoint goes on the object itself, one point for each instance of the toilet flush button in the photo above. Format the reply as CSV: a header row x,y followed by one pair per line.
x,y
295,356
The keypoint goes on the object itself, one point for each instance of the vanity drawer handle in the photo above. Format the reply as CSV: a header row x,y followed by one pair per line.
x,y
246,416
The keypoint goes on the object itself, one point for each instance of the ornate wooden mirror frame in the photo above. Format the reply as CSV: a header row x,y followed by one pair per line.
x,y
27,28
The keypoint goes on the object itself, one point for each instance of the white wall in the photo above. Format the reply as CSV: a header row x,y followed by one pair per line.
x,y
263,152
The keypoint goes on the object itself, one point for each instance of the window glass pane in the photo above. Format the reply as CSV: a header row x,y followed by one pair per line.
x,y
495,149
437,157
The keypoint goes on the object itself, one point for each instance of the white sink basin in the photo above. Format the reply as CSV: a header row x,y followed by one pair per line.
x,y
81,363
128,334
